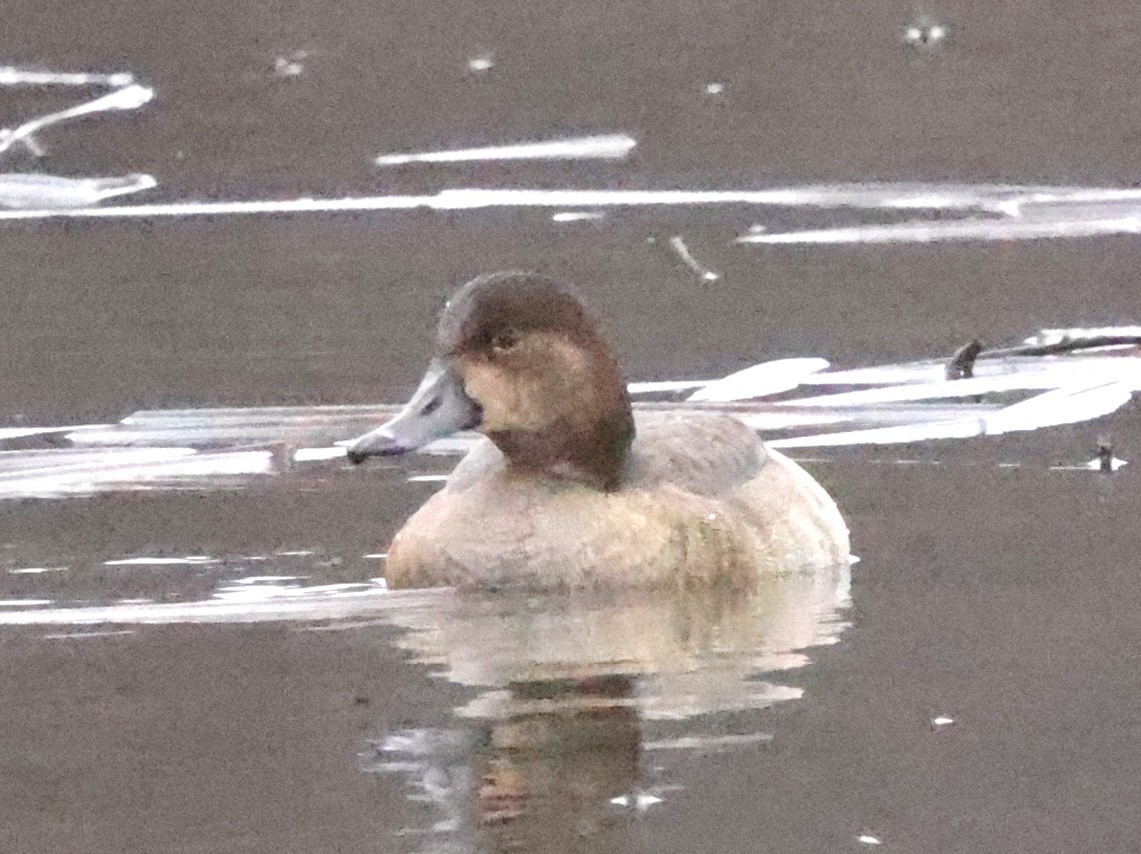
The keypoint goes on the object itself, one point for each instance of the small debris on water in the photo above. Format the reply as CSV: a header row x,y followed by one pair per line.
x,y
925,34
640,801
481,62
291,64
868,839
682,251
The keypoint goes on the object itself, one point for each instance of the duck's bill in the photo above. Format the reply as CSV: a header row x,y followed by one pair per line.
x,y
439,408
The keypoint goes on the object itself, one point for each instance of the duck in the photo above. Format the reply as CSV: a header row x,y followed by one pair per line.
x,y
569,488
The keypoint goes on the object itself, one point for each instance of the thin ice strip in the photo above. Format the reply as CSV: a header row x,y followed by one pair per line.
x,y
465,198
11,75
128,98
963,230
602,146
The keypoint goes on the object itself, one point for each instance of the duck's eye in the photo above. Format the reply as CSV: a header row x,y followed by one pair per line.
x,y
504,342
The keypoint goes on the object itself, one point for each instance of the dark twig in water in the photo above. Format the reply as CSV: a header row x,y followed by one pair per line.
x,y
962,364
1105,455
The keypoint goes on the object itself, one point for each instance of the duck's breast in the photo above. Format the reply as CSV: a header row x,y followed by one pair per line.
x,y
703,501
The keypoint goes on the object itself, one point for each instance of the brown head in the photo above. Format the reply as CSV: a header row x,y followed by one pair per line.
x,y
520,358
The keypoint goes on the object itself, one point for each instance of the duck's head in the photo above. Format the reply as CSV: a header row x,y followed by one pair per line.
x,y
520,359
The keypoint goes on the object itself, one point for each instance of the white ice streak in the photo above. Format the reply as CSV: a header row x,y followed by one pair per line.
x,y
10,75
1037,372
36,191
189,560
944,232
760,380
309,455
1048,337
659,386
708,742
1038,375
233,426
22,432
61,472
1066,405
600,147
577,216
89,635
458,199
127,98
1010,200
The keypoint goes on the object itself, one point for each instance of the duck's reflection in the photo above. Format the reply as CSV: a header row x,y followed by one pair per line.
x,y
588,701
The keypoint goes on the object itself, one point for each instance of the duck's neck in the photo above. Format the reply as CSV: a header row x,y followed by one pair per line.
x,y
588,444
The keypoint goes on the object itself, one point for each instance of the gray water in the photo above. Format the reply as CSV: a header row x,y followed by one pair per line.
x,y
258,689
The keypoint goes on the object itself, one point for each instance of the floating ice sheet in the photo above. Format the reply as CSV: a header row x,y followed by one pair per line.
x,y
70,471
1060,406
660,386
21,432
1053,374
235,426
38,191
761,380
1037,372
605,147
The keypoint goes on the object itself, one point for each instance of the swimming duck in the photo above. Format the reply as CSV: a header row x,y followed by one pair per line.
x,y
572,489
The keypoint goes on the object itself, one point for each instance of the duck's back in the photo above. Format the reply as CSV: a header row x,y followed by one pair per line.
x,y
702,501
